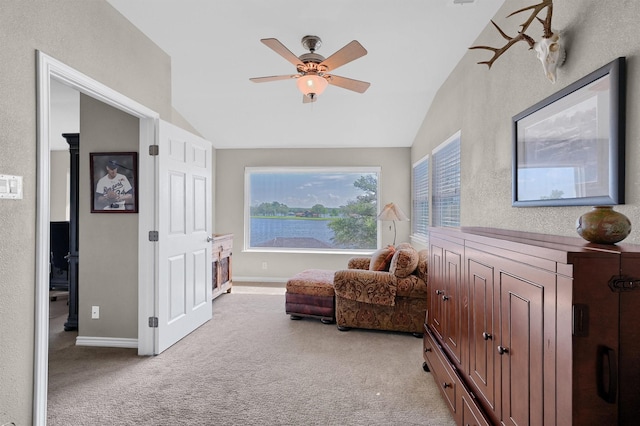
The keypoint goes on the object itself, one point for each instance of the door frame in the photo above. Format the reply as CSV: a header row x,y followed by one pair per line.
x,y
49,68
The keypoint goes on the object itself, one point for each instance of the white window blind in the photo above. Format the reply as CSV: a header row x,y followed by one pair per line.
x,y
446,183
420,198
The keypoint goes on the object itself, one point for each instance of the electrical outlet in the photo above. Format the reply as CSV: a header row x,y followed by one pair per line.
x,y
95,312
264,265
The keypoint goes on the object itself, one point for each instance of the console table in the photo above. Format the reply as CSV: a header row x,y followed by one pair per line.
x,y
532,329
222,250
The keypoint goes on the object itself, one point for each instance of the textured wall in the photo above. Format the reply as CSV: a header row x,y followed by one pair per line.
x,y
230,164
93,38
481,103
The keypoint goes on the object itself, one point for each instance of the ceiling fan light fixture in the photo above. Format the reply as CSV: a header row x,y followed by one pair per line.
x,y
312,69
312,83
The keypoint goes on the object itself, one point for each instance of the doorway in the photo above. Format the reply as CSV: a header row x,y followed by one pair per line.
x,y
49,69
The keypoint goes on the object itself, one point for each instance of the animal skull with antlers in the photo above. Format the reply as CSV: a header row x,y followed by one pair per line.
x,y
549,49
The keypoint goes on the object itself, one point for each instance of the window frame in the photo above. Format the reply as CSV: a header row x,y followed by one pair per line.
x,y
377,170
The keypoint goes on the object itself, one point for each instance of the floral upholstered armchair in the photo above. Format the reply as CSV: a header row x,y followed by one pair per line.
x,y
387,291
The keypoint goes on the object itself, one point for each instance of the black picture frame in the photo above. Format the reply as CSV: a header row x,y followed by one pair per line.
x,y
568,149
120,193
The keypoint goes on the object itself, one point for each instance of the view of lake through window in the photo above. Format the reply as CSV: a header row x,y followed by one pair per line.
x,y
308,208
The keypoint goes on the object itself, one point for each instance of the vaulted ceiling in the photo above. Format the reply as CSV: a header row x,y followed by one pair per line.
x,y
215,48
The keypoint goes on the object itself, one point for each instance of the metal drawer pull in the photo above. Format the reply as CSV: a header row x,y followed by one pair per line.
x,y
447,385
486,336
439,292
427,349
445,298
502,350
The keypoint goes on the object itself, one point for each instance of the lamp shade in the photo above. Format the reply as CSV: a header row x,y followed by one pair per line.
x,y
392,212
312,83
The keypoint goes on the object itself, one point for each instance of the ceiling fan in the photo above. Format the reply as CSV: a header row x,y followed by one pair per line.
x,y
312,77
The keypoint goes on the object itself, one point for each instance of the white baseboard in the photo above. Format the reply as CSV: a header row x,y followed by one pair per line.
x,y
260,279
107,342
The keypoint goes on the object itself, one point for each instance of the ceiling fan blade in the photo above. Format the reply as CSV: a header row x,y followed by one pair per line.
x,y
273,78
348,53
348,83
281,50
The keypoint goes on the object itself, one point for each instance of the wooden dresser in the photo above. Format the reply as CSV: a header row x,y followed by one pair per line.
x,y
222,250
531,329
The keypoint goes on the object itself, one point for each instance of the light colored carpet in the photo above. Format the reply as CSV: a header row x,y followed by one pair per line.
x,y
249,365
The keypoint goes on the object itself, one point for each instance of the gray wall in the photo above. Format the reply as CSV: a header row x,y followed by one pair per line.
x,y
481,103
93,38
229,195
108,258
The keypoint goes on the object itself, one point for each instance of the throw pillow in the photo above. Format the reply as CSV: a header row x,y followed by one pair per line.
x,y
381,259
422,270
404,262
403,245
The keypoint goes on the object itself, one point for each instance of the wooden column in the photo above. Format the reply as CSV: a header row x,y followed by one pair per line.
x,y
73,139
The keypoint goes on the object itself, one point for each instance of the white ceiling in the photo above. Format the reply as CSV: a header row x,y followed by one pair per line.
x,y
215,48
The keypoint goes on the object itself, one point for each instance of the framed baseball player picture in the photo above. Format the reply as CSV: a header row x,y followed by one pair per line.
x,y
114,182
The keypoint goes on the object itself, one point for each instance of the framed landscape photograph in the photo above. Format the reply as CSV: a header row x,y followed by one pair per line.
x,y
114,182
568,149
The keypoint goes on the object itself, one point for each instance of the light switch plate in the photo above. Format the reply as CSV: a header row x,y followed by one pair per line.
x,y
11,187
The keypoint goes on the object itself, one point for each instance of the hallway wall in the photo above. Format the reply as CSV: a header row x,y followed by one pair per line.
x,y
93,38
108,258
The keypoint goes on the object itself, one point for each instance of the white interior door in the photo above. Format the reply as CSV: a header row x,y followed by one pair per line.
x,y
184,225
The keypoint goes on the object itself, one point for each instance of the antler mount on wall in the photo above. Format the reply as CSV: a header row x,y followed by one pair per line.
x,y
549,49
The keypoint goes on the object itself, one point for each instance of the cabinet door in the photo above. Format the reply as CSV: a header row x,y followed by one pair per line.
x,y
630,344
452,302
445,285
436,288
521,348
592,355
482,331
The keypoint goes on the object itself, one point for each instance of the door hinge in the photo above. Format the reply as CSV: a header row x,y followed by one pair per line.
x,y
153,236
153,322
154,149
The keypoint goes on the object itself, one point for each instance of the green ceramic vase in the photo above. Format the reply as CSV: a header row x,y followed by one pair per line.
x,y
603,225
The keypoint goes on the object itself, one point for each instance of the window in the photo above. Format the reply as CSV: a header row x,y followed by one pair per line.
x,y
420,198
446,183
306,209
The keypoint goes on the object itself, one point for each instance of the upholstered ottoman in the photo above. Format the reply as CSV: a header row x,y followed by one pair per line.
x,y
310,294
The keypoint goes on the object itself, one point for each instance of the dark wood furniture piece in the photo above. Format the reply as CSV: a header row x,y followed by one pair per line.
x,y
59,250
531,329
222,251
73,139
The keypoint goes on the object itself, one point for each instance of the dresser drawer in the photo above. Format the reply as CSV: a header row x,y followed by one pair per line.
x,y
222,246
442,371
471,414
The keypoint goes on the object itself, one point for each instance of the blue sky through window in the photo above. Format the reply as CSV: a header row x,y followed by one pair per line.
x,y
305,189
